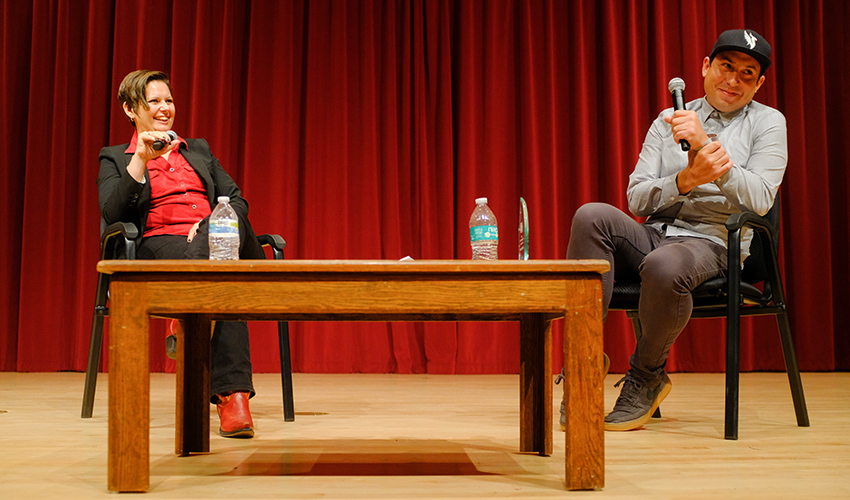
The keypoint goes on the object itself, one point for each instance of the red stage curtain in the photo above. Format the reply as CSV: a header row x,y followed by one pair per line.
x,y
365,130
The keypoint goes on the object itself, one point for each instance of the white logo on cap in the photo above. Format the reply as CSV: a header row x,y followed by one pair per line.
x,y
751,40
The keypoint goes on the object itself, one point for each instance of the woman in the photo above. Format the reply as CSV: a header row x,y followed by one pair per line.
x,y
167,186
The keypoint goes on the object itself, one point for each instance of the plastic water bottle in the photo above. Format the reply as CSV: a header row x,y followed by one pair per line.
x,y
483,232
224,231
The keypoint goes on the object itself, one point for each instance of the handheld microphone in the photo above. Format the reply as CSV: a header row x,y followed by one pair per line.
x,y
677,88
159,144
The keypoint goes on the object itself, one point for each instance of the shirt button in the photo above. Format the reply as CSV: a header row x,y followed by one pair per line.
x,y
194,207
171,169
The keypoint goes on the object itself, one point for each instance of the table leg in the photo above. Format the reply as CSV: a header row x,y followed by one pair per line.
x,y
535,381
192,423
585,441
129,388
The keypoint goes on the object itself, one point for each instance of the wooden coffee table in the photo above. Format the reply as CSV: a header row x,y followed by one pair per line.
x,y
200,292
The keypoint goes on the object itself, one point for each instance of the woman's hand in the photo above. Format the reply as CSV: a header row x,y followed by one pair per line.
x,y
145,142
145,152
193,232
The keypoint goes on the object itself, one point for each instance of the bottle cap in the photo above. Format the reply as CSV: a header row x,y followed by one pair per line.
x,y
224,199
480,201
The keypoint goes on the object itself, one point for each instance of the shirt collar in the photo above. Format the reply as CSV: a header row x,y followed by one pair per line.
x,y
135,139
706,111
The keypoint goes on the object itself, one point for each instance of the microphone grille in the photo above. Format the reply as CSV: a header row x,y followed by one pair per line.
x,y
676,84
172,134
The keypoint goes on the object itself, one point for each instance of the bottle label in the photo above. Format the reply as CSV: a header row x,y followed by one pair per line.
x,y
224,226
479,233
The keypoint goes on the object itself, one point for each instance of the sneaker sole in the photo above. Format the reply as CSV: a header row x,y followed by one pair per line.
x,y
638,422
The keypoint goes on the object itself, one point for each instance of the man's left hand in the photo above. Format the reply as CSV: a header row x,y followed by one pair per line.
x,y
705,165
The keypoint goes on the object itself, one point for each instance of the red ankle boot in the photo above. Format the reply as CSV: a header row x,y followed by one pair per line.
x,y
235,416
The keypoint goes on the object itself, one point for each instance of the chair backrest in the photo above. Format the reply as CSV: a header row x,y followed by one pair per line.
x,y
755,266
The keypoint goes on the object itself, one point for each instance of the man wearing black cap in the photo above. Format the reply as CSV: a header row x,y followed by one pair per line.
x,y
736,162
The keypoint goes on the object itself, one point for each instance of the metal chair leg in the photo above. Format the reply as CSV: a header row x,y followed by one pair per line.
x,y
286,371
95,349
732,379
793,370
95,345
733,335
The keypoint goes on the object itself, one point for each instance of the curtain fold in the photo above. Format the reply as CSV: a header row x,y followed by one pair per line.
x,y
366,129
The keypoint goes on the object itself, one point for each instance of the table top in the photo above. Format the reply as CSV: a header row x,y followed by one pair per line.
x,y
354,266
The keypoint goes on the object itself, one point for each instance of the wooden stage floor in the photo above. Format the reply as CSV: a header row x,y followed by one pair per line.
x,y
432,436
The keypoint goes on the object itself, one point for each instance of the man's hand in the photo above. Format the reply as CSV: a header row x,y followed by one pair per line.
x,y
705,165
686,125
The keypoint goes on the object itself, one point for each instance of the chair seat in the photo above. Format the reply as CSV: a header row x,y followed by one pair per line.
x,y
712,293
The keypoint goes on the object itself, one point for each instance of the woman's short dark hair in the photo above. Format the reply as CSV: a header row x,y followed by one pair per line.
x,y
132,89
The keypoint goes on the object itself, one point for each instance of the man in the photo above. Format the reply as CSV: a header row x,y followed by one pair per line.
x,y
736,162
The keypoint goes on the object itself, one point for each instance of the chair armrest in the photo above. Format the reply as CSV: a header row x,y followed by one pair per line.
x,y
275,242
108,237
762,225
750,219
126,229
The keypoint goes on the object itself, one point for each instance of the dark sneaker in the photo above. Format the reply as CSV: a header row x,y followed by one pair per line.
x,y
637,402
606,363
171,346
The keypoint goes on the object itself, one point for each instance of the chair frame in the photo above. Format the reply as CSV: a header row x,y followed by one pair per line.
x,y
730,297
111,239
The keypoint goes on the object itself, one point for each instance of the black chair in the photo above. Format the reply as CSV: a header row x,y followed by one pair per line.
x,y
118,240
735,296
